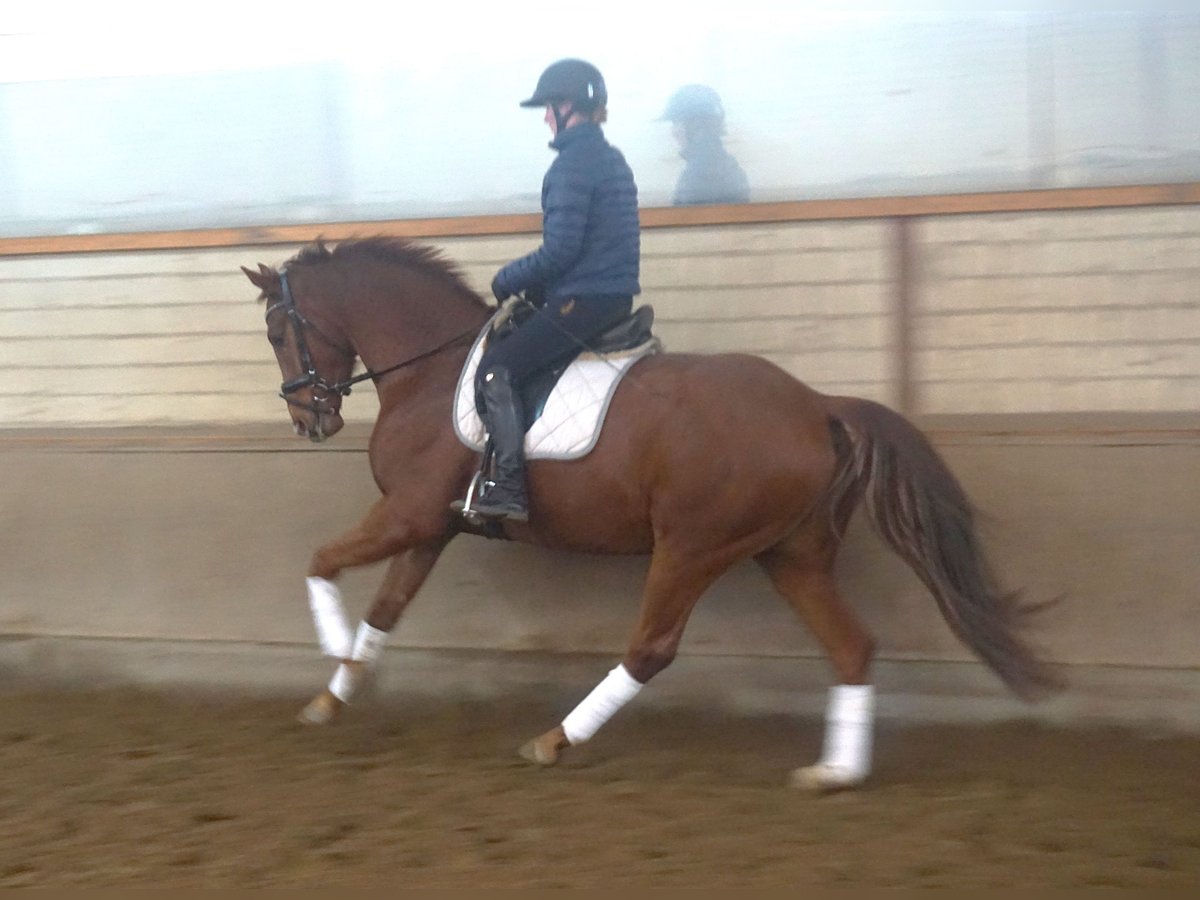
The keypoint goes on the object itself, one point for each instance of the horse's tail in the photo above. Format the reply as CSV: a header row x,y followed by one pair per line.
x,y
918,506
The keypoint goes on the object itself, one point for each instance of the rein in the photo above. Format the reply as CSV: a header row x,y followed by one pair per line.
x,y
311,378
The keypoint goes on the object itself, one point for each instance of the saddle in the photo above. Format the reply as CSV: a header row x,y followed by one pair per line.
x,y
562,421
634,330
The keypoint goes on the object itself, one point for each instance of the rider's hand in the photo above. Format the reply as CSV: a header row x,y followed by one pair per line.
x,y
499,291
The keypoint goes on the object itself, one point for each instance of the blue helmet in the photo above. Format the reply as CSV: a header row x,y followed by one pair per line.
x,y
694,101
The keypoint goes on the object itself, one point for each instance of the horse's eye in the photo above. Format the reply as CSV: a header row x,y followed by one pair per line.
x,y
275,339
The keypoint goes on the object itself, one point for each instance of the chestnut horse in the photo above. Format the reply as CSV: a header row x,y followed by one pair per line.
x,y
704,461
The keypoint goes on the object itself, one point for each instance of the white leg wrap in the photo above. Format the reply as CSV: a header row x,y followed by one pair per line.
x,y
617,689
343,683
849,721
329,616
368,645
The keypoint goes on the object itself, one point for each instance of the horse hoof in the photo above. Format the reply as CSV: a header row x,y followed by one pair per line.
x,y
545,750
824,779
322,710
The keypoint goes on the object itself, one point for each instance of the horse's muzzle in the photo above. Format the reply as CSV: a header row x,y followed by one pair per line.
x,y
315,419
326,426
316,435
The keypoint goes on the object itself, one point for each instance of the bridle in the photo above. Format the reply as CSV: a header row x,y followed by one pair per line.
x,y
310,378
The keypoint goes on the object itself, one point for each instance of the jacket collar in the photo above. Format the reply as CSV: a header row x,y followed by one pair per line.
x,y
576,133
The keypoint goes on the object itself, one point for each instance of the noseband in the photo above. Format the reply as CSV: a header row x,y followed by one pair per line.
x,y
311,378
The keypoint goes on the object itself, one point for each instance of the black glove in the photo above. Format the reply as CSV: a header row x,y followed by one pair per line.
x,y
536,294
499,291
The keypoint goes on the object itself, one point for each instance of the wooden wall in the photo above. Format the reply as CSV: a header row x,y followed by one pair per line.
x,y
154,492
1073,311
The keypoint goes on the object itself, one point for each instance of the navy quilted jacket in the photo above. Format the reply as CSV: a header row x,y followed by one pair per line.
x,y
591,240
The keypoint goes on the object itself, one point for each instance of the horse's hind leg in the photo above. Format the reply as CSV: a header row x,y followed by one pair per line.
x,y
805,578
673,586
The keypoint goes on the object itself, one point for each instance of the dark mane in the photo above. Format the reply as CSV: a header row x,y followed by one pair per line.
x,y
395,250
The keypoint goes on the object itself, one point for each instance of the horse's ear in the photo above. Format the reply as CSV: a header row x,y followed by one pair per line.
x,y
263,278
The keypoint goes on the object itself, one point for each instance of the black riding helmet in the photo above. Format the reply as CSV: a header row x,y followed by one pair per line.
x,y
570,80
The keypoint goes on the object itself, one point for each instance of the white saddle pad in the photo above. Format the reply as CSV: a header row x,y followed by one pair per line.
x,y
569,425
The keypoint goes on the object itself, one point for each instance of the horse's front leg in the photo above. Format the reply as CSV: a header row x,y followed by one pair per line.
x,y
405,575
379,535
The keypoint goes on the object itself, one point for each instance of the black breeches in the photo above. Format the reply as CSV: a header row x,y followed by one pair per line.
x,y
554,333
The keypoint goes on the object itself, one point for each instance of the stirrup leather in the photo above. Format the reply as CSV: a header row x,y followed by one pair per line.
x,y
480,484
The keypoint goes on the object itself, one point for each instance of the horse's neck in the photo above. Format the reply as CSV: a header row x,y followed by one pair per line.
x,y
390,327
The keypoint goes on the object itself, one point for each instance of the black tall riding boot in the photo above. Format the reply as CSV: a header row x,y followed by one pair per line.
x,y
506,425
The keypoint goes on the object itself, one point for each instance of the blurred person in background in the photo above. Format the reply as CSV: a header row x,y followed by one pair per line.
x,y
710,173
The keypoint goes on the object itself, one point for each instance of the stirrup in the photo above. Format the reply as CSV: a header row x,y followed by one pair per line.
x,y
466,508
514,513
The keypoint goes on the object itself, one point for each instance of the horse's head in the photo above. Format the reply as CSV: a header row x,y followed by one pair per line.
x,y
313,354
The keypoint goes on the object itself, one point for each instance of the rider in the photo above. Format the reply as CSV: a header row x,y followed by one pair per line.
x,y
584,275
710,173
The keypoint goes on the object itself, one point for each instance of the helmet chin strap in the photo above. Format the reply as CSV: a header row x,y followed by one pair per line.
x,y
560,120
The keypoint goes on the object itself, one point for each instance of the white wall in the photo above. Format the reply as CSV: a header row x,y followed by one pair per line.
x,y
269,112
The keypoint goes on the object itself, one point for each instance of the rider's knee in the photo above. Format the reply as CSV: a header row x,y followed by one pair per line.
x,y
495,373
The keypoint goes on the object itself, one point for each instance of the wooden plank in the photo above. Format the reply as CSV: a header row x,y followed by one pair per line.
x,y
228,379
1075,290
1131,326
132,265
769,336
1047,364
145,320
1064,225
774,237
221,410
837,371
1030,396
202,292
765,301
1006,259
272,433
864,267
57,351
660,217
270,235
